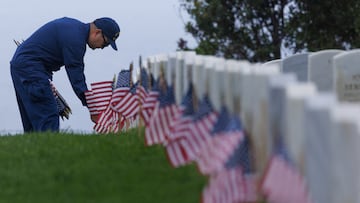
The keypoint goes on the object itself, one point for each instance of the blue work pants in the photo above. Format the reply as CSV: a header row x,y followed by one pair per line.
x,y
35,98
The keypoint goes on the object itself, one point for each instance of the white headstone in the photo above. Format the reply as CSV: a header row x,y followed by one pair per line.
x,y
156,63
196,74
162,64
189,61
179,70
216,83
246,93
296,94
202,74
182,60
320,69
272,63
171,65
297,64
318,160
345,150
231,97
153,67
258,131
277,102
347,75
142,65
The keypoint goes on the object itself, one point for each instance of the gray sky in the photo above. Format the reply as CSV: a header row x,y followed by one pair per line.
x,y
147,28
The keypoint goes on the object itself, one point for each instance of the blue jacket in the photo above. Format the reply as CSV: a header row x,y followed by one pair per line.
x,y
61,42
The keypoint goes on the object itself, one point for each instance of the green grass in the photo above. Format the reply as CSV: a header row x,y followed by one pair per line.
x,y
50,167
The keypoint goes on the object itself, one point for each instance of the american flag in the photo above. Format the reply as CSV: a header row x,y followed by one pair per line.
x,y
98,99
128,106
148,106
219,127
110,120
99,96
226,135
142,94
203,123
144,79
236,182
157,130
222,187
179,129
143,87
282,182
122,86
91,102
148,96
190,132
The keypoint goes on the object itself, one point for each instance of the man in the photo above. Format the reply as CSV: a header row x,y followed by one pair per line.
x,y
61,42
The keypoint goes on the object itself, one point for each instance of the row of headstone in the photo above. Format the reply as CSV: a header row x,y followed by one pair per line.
x,y
322,121
302,101
330,71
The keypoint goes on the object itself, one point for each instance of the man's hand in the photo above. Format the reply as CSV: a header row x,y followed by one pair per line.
x,y
94,118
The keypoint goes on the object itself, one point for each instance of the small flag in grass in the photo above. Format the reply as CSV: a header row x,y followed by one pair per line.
x,y
157,130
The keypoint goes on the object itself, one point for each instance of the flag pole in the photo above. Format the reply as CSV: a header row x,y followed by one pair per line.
x,y
127,121
140,104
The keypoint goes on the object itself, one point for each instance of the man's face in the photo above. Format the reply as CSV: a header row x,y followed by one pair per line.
x,y
97,40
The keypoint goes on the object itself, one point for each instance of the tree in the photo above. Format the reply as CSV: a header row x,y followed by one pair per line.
x,y
238,29
314,25
258,30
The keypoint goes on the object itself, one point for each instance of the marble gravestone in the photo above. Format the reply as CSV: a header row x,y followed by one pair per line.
x,y
178,65
321,71
153,67
231,97
272,63
318,159
297,64
234,86
157,63
345,150
258,130
196,75
246,93
179,77
347,75
162,64
217,78
189,62
201,73
171,66
296,95
277,101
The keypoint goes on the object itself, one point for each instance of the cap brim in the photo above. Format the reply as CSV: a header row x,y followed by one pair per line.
x,y
113,45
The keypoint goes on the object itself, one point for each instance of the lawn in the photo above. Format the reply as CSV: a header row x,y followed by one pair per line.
x,y
47,167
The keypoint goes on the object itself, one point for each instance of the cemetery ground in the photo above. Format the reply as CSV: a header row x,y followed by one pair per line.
x,y
62,167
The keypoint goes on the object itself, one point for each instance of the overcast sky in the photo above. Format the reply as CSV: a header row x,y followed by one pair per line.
x,y
147,28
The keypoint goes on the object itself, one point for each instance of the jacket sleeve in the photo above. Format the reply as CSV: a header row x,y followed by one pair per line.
x,y
74,65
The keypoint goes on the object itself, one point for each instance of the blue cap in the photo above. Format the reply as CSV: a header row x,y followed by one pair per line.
x,y
110,29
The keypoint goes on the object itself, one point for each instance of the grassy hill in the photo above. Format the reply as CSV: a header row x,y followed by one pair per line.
x,y
47,167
